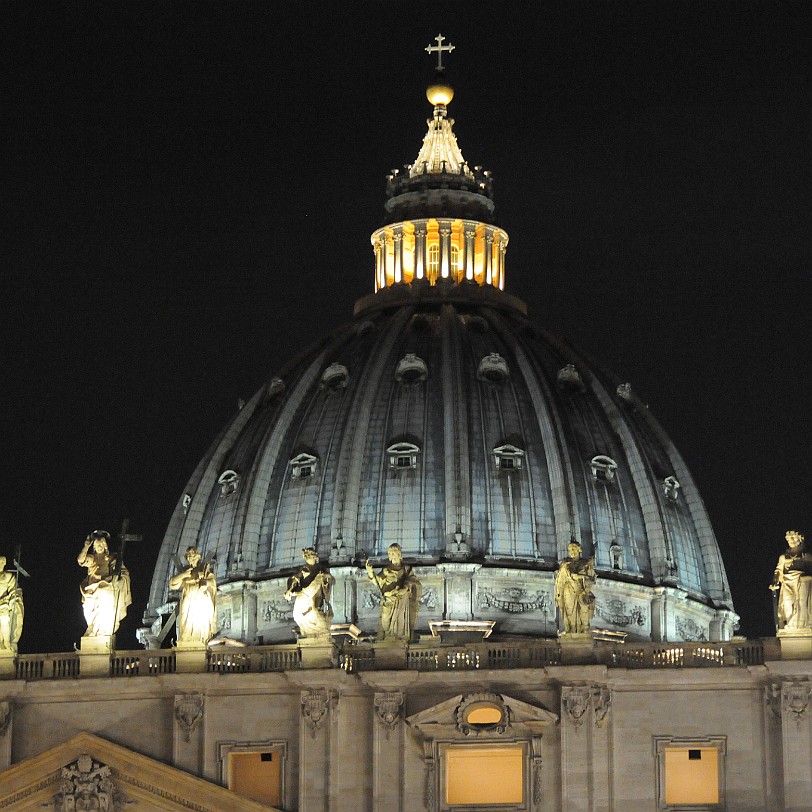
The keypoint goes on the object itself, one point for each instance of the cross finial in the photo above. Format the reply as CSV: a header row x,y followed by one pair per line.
x,y
439,48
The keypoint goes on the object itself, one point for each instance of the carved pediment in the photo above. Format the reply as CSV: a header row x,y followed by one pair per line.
x,y
446,720
88,772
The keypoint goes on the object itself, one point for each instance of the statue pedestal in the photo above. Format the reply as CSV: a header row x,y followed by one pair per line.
x,y
796,644
94,655
190,658
576,649
7,661
317,652
390,656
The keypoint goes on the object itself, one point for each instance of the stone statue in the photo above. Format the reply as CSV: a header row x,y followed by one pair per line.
x,y
310,589
106,589
197,619
400,592
11,609
573,591
793,580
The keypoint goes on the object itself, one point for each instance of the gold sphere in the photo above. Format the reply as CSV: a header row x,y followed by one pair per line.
x,y
439,94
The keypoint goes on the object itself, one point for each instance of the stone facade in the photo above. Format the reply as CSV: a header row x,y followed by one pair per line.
x,y
592,725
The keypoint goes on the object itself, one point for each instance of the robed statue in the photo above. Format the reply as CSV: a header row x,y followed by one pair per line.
x,y
573,590
400,594
197,619
792,580
106,589
11,609
310,589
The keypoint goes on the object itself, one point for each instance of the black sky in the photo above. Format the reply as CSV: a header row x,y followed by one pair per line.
x,y
190,190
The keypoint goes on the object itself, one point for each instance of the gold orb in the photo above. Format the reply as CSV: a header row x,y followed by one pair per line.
x,y
439,94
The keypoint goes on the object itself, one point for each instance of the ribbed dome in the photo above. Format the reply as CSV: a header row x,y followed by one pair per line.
x,y
441,418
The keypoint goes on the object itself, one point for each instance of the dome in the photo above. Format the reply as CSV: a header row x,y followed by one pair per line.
x,y
441,418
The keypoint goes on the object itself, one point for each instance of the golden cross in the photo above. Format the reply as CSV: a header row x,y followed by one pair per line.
x,y
438,49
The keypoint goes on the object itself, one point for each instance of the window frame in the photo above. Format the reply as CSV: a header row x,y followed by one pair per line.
x,y
226,748
664,743
443,748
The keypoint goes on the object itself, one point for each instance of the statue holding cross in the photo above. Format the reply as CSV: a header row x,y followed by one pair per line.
x,y
11,605
106,589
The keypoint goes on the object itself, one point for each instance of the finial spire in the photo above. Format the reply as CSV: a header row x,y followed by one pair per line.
x,y
439,49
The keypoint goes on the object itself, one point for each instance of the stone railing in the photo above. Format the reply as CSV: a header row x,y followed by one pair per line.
x,y
423,656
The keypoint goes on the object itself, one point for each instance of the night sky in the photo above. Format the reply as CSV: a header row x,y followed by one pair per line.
x,y
189,193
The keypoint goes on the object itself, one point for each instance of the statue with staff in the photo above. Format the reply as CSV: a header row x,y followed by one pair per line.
x,y
11,603
105,591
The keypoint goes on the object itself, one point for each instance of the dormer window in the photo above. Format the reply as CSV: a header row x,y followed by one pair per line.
x,y
411,369
228,481
493,369
335,377
671,488
603,469
402,456
303,466
508,458
569,378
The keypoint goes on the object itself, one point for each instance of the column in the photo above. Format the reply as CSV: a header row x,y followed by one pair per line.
x,y
468,247
445,248
376,246
502,252
397,236
488,256
382,248
420,249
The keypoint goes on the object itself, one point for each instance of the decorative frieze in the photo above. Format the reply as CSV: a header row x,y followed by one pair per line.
x,y
514,600
690,630
277,610
619,613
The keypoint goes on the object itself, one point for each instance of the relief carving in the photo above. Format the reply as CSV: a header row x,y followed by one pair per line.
x,y
388,707
188,713
616,612
601,703
224,620
276,611
796,699
86,784
575,702
514,600
315,707
690,630
772,699
5,717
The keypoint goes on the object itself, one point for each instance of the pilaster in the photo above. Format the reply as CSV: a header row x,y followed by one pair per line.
x,y
6,725
796,734
318,706
387,758
458,583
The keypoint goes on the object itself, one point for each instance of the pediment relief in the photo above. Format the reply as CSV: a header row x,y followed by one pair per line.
x,y
501,715
88,772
